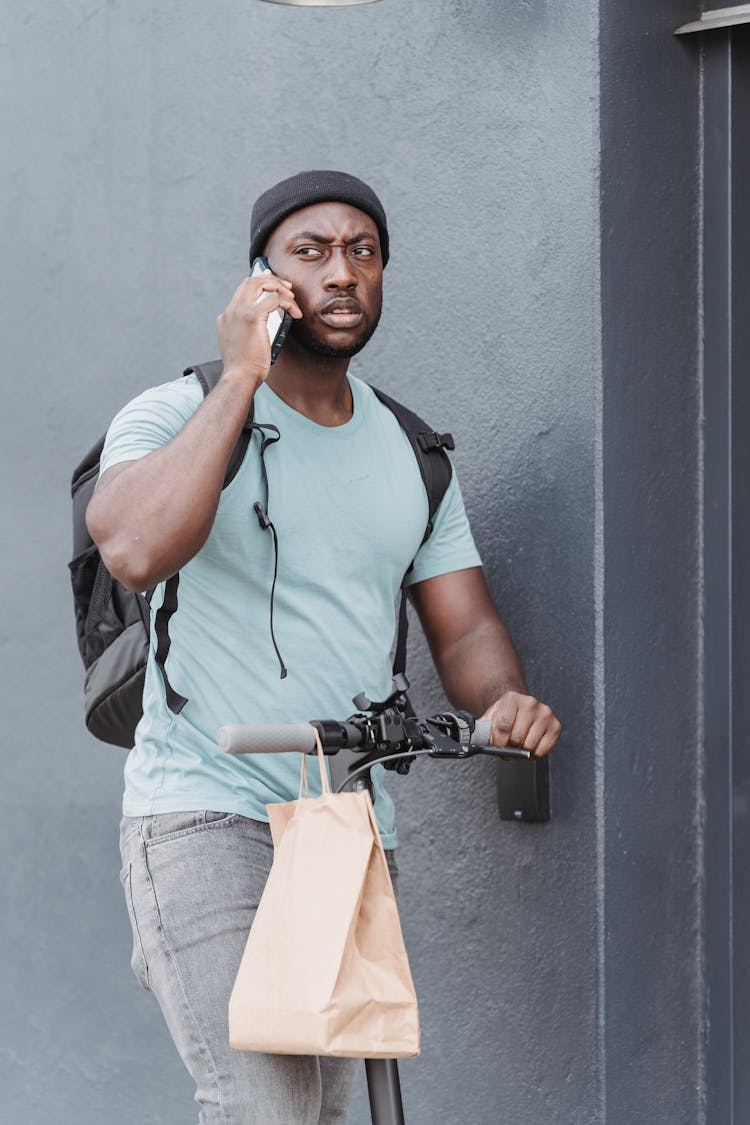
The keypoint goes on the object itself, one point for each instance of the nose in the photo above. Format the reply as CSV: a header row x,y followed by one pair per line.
x,y
341,273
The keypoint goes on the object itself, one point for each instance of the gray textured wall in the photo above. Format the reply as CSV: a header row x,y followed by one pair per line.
x,y
139,137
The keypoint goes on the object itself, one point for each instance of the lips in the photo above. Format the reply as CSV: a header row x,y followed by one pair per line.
x,y
342,312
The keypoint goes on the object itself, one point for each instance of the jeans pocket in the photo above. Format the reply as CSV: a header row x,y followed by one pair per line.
x,y
138,961
164,827
130,837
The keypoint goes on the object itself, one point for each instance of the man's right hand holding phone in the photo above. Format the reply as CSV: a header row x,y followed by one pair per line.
x,y
243,326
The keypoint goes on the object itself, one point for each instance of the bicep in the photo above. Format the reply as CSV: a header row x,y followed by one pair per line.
x,y
450,606
112,473
101,515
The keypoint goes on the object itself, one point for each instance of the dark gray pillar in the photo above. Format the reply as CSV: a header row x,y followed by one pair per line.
x,y
651,862
717,723
740,500
727,551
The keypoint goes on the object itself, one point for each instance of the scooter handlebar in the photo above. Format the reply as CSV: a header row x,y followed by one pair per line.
x,y
276,738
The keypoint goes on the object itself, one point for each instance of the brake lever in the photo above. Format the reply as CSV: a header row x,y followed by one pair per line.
x,y
440,745
507,753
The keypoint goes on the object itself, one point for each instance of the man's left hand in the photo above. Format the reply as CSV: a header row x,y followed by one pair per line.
x,y
523,721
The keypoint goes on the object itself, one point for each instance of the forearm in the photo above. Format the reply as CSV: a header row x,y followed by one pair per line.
x,y
482,673
477,663
154,514
480,667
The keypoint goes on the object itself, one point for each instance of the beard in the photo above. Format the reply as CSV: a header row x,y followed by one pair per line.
x,y
311,340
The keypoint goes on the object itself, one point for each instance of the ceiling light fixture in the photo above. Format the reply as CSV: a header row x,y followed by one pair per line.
x,y
321,3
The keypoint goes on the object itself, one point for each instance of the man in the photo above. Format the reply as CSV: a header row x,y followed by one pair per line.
x,y
276,627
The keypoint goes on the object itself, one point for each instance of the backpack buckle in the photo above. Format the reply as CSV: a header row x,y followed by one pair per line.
x,y
430,441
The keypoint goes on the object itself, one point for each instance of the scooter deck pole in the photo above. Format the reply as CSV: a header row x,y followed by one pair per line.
x,y
384,1088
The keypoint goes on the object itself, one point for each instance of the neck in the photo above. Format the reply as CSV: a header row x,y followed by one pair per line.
x,y
314,385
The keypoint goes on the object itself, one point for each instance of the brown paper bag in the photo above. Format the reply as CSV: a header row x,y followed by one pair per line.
x,y
325,970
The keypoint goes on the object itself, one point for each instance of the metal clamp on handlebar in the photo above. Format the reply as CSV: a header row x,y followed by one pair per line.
x,y
463,724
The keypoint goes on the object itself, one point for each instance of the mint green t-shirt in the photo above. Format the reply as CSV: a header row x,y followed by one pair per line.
x,y
350,510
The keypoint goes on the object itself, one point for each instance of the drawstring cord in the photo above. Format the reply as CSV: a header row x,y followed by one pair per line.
x,y
266,524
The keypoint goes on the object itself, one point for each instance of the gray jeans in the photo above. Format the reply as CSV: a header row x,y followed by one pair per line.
x,y
192,884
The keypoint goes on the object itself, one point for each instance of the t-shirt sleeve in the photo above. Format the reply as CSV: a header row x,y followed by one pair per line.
x,y
451,545
150,420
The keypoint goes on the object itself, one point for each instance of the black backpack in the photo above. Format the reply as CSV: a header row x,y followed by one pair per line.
x,y
112,624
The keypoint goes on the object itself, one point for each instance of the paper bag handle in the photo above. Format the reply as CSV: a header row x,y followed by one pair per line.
x,y
303,781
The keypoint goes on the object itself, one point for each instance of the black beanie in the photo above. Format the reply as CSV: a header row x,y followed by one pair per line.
x,y
305,189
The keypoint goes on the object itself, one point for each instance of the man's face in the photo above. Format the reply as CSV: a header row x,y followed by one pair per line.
x,y
331,254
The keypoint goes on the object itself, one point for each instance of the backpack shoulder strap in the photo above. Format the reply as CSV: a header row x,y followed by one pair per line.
x,y
208,375
429,449
434,465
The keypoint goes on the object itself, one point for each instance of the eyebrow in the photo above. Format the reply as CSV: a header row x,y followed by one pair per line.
x,y
315,236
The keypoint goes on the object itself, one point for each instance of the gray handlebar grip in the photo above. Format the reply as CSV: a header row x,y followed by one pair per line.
x,y
482,732
267,738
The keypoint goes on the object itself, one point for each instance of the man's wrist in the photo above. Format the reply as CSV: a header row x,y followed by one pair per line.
x,y
495,694
247,379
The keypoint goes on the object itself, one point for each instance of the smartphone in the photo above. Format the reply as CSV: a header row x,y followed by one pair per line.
x,y
279,322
